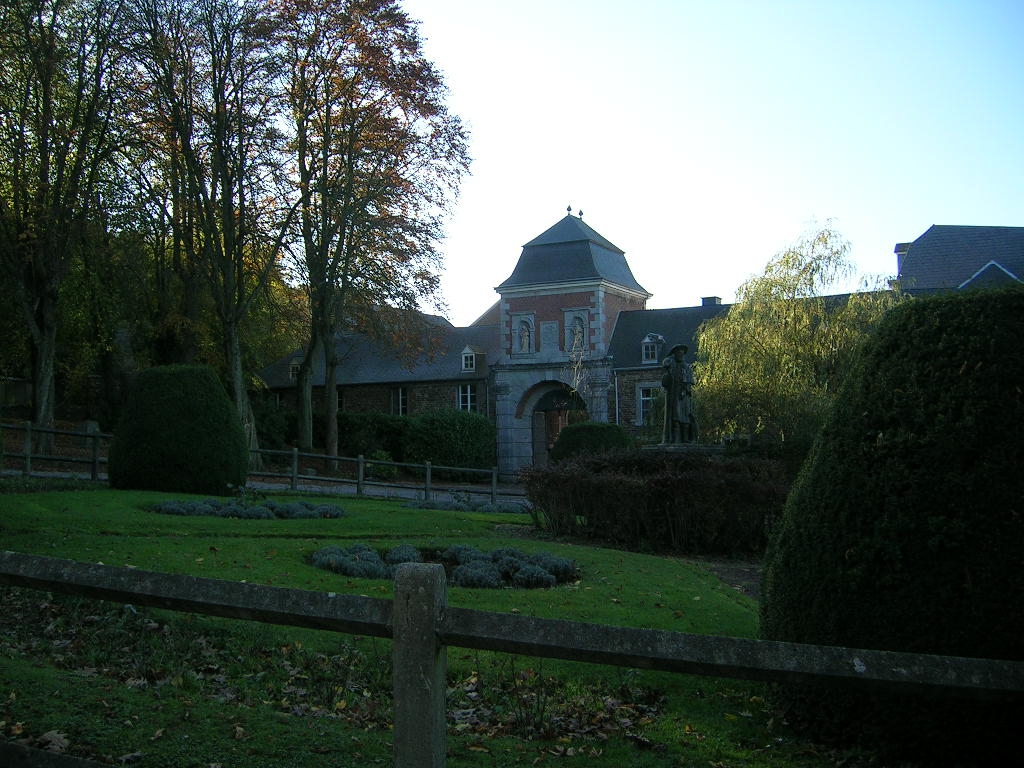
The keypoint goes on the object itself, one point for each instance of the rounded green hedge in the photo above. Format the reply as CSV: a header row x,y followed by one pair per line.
x,y
179,432
905,528
589,438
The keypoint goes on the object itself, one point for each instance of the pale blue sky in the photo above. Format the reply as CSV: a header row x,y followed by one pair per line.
x,y
704,137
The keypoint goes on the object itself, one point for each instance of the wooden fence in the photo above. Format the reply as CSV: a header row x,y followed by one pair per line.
x,y
77,447
422,625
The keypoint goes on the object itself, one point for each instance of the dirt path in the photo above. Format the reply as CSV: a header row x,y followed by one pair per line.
x,y
742,575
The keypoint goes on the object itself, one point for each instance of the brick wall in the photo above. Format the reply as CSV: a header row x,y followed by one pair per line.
x,y
628,383
549,307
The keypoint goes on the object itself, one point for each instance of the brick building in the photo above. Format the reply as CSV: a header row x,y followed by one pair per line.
x,y
570,336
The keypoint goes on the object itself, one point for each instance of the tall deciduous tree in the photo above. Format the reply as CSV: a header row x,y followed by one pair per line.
x,y
378,160
772,364
212,71
58,101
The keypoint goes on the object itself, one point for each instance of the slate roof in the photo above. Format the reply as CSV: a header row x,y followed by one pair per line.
x,y
571,251
367,362
947,257
678,326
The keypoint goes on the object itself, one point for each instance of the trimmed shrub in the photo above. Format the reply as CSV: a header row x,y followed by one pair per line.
x,y
358,561
478,574
383,472
690,503
905,529
179,432
590,438
468,566
532,577
269,510
257,512
403,553
562,569
368,433
464,553
451,438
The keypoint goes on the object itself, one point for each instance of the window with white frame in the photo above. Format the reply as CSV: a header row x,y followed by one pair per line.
x,y
646,399
467,397
400,402
293,370
650,348
468,361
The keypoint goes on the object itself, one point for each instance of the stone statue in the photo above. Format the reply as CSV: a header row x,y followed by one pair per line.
x,y
680,421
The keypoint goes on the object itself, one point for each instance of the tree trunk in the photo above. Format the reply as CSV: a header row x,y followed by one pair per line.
x,y
305,394
330,402
237,390
44,356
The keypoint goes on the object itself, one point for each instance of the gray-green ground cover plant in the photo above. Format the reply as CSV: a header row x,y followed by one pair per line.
x,y
466,565
250,510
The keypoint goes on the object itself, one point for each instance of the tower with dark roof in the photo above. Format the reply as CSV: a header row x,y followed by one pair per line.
x,y
556,315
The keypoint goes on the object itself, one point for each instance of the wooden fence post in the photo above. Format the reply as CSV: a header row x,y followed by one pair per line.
x,y
295,469
494,485
360,474
28,448
95,437
426,482
420,667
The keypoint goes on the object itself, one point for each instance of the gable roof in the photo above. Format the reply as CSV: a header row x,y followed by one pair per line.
x,y
568,252
948,257
678,326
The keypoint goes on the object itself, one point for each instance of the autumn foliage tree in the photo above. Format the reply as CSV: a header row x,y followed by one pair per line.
x,y
211,70
378,159
771,365
174,151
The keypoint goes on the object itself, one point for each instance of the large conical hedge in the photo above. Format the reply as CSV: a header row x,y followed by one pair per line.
x,y
179,432
905,529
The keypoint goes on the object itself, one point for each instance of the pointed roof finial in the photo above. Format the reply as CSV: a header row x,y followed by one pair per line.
x,y
568,209
580,213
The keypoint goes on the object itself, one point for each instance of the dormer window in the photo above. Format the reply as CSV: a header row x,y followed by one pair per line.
x,y
650,348
469,359
293,370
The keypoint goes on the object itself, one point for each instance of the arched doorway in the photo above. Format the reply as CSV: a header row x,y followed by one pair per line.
x,y
554,410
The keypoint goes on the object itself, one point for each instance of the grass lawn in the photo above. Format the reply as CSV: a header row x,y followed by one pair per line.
x,y
153,688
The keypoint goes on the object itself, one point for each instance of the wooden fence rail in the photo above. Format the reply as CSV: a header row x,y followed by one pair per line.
x,y
362,468
421,625
362,477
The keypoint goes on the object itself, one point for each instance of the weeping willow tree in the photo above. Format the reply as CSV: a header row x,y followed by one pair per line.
x,y
771,365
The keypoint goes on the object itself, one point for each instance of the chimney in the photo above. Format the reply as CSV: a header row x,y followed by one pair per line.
x,y
710,301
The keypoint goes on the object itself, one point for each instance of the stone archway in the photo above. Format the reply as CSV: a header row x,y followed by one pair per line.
x,y
556,406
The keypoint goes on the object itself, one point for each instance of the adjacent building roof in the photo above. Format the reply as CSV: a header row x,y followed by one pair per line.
x,y
571,251
365,361
676,326
948,257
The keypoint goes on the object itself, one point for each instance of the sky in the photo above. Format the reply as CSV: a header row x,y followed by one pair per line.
x,y
703,138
